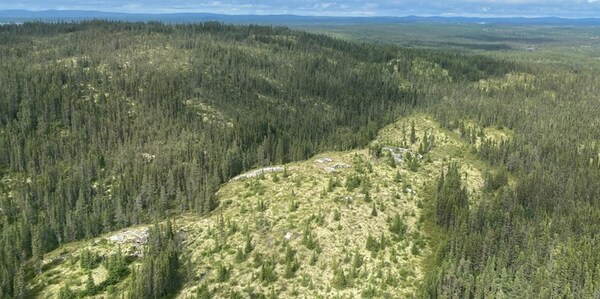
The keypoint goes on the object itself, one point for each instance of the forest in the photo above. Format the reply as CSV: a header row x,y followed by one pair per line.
x,y
107,125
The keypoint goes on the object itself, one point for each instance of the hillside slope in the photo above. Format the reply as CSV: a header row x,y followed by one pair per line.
x,y
108,129
108,125
344,224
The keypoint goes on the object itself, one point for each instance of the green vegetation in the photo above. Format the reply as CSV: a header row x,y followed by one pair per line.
x,y
158,275
329,244
429,174
451,199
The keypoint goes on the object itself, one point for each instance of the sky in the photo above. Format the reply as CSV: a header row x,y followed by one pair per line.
x,y
478,8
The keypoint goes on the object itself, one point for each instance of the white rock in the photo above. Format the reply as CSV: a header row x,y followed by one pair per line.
x,y
258,172
148,157
288,236
323,160
341,165
329,169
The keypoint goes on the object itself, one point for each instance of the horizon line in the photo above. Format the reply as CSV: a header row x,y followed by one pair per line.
x,y
466,15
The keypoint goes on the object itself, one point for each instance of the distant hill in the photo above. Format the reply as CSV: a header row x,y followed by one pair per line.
x,y
18,16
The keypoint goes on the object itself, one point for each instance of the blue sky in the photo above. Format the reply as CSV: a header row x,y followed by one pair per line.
x,y
530,8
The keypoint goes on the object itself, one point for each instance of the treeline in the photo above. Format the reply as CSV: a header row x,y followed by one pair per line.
x,y
159,275
534,234
104,125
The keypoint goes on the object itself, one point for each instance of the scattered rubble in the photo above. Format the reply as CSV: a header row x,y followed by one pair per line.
x,y
132,235
410,191
341,165
397,153
138,237
148,157
323,160
258,172
346,199
398,158
288,236
337,166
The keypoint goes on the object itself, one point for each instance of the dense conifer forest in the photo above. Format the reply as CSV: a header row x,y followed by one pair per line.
x,y
107,125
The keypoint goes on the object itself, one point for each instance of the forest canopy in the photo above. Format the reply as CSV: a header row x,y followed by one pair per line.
x,y
105,125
